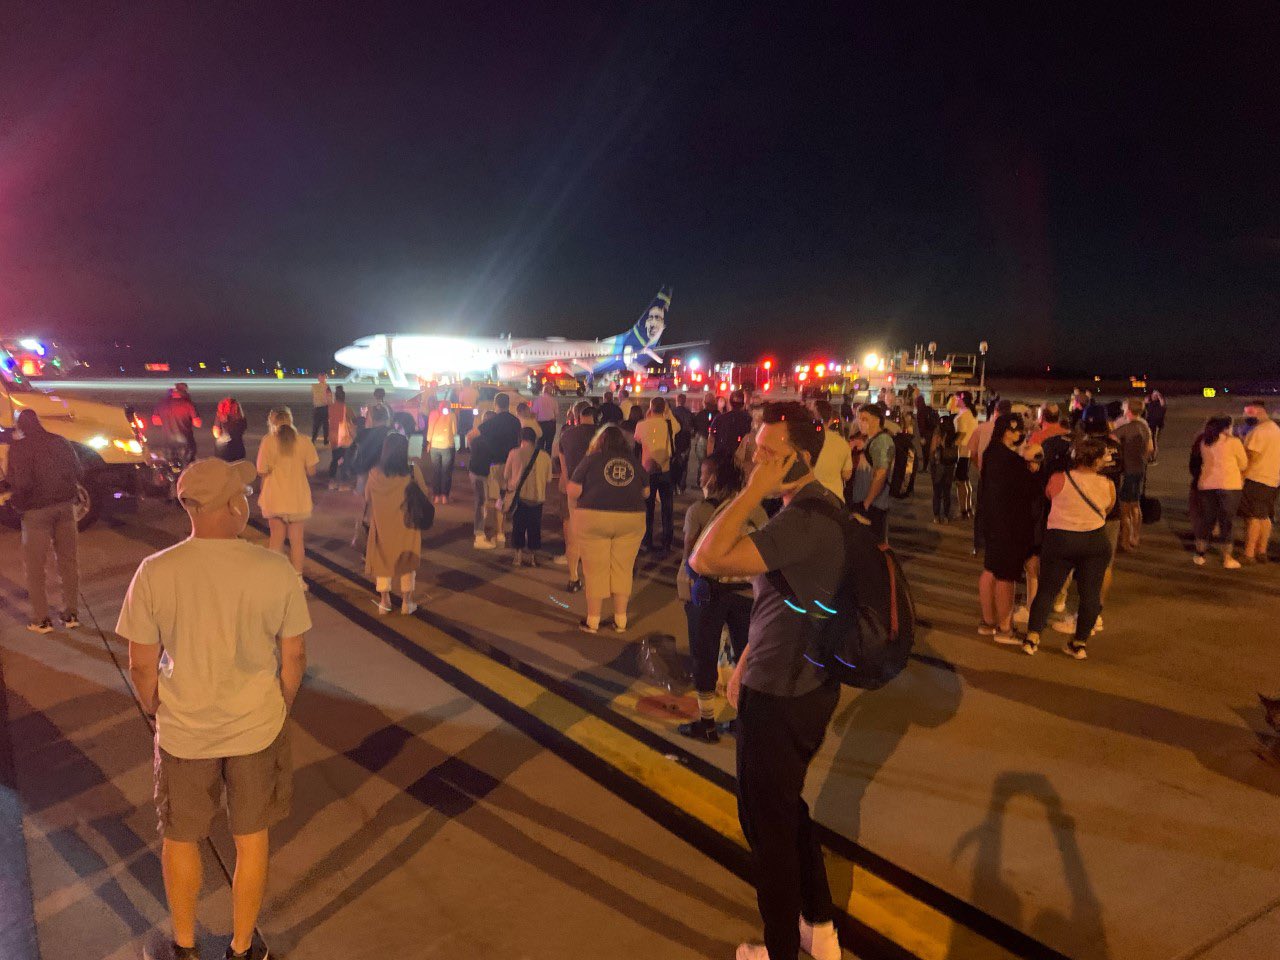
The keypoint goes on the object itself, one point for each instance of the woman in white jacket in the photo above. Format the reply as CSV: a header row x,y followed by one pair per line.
x,y
1222,463
286,462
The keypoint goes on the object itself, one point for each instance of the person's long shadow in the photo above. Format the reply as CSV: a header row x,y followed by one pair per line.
x,y
869,728
1079,933
1224,748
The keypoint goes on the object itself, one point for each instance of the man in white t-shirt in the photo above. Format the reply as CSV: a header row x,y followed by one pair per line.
x,y
1261,481
965,423
216,653
656,435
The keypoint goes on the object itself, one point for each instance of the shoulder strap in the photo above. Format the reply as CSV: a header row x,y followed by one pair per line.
x,y
1085,497
528,468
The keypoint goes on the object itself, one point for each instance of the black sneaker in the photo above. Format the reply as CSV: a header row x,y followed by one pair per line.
x,y
71,621
41,626
257,951
168,950
574,586
700,729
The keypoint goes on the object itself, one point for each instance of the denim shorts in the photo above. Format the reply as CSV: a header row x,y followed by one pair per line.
x,y
1131,487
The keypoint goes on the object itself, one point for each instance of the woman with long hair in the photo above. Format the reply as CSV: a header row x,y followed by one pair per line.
x,y
1010,493
229,427
711,604
607,495
342,433
286,462
1075,542
943,456
394,550
1218,487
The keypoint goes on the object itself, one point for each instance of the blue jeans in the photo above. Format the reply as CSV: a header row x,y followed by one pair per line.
x,y
441,475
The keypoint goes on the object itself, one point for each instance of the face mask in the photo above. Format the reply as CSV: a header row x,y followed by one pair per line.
x,y
1250,421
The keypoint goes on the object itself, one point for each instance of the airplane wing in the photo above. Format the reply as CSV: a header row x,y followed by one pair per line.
x,y
679,346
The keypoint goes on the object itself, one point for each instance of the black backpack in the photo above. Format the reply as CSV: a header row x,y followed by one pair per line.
x,y
864,637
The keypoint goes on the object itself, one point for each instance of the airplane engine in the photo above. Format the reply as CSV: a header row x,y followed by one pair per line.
x,y
510,371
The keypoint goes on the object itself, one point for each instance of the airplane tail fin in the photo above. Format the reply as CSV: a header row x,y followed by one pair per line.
x,y
648,330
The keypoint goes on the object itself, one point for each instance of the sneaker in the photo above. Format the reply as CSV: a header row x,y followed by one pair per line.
x,y
729,728
1030,644
1230,563
1060,606
586,627
574,586
1077,651
484,543
616,628
408,607
71,621
986,630
819,940
560,560
1199,560
1009,639
752,951
41,626
700,729
258,951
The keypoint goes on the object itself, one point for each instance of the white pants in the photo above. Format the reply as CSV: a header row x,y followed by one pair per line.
x,y
407,583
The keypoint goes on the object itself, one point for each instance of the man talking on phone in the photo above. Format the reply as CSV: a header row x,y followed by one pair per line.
x,y
784,700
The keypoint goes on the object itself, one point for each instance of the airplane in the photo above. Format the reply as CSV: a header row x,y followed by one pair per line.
x,y
402,357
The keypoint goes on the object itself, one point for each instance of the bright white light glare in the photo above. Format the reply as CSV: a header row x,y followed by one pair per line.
x,y
695,363
128,446
98,442
29,344
870,360
924,367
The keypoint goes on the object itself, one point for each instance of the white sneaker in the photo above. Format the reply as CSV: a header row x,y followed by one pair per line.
x,y
752,951
819,941
1007,639
1198,560
986,630
1022,615
560,561
1230,563
484,543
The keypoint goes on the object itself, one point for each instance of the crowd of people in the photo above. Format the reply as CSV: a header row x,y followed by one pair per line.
x,y
1054,494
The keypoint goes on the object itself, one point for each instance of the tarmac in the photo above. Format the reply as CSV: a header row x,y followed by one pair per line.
x,y
481,779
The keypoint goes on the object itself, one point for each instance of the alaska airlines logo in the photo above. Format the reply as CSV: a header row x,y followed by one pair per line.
x,y
654,323
619,472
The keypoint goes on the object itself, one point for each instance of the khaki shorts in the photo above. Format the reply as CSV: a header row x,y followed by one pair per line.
x,y
493,486
259,791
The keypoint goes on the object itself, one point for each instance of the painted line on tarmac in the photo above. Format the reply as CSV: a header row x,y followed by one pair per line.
x,y
891,911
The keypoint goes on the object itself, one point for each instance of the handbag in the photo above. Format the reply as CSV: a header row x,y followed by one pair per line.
x,y
512,497
419,512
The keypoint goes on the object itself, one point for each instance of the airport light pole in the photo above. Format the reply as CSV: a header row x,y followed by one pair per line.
x,y
982,376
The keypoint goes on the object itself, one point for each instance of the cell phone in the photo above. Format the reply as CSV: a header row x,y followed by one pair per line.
x,y
795,472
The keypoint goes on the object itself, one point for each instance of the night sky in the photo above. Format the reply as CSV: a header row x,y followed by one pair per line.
x,y
1086,187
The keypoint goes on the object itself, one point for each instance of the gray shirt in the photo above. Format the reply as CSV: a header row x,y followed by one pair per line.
x,y
803,547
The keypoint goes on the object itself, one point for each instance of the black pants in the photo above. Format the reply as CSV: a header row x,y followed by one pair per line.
x,y
660,485
526,526
441,474
1089,555
777,739
944,478
466,420
320,423
336,457
680,470
707,622
548,428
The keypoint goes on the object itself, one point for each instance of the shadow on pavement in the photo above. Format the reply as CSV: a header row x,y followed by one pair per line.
x,y
869,728
1080,933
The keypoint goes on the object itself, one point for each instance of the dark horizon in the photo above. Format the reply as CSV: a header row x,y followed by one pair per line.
x,y
1084,189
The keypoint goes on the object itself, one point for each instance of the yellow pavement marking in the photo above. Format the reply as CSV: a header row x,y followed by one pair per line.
x,y
911,924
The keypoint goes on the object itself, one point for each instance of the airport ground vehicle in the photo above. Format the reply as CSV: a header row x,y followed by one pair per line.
x,y
109,441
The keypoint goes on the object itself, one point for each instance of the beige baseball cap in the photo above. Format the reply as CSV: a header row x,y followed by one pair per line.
x,y
211,483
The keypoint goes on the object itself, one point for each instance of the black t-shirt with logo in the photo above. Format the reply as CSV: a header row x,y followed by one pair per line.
x,y
611,483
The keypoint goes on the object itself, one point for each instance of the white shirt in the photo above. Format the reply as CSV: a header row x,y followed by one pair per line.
x,y
218,607
545,408
835,463
1263,447
965,423
286,486
655,446
1222,464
